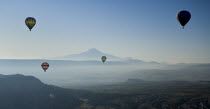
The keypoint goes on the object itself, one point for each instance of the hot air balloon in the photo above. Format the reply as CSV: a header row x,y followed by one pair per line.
x,y
30,22
183,17
45,66
52,96
103,58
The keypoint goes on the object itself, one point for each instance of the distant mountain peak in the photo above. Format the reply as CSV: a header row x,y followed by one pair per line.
x,y
90,54
93,50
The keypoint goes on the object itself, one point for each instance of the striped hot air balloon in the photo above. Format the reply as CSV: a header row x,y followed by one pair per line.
x,y
103,58
30,22
45,66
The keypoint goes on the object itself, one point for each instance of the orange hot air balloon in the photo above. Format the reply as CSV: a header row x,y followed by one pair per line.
x,y
45,66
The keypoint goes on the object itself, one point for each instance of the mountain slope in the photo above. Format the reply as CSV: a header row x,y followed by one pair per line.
x,y
27,92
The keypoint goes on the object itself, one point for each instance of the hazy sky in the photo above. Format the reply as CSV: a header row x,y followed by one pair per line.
x,y
143,29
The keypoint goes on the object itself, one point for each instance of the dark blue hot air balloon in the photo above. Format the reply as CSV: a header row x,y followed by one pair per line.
x,y
183,17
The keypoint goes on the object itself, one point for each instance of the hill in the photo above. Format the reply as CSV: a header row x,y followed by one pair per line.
x,y
27,92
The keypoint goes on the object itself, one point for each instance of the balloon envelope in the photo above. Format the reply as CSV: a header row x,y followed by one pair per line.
x,y
183,17
103,58
45,66
30,22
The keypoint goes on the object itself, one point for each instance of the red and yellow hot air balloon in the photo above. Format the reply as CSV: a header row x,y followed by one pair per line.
x,y
45,66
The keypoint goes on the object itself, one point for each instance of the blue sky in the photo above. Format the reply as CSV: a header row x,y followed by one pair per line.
x,y
143,29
